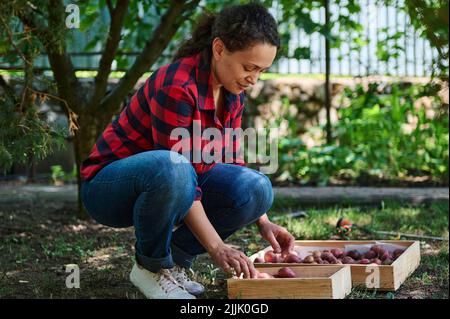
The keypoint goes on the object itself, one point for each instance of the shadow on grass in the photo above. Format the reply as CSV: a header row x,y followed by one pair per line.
x,y
37,241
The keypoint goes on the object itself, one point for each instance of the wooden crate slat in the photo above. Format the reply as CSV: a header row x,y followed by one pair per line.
x,y
333,282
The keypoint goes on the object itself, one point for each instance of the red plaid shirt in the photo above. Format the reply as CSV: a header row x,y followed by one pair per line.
x,y
174,96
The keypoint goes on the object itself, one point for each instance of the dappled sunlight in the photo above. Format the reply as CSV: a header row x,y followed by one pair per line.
x,y
101,258
37,252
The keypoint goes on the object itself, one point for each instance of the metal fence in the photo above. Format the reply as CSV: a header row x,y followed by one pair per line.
x,y
378,21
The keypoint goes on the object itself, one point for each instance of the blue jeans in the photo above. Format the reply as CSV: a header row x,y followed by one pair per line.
x,y
153,194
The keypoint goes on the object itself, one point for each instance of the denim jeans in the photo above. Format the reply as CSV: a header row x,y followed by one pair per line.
x,y
153,193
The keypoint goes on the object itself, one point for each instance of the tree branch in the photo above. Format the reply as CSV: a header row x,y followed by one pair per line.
x,y
109,52
431,17
11,40
169,24
60,62
110,7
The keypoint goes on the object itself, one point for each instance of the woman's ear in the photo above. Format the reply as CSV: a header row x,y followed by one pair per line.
x,y
218,48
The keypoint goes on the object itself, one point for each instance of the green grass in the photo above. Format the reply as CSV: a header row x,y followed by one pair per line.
x,y
33,259
430,220
60,246
430,280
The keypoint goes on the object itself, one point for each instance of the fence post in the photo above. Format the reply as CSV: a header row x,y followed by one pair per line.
x,y
327,71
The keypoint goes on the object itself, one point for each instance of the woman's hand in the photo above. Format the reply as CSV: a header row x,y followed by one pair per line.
x,y
230,259
280,239
222,254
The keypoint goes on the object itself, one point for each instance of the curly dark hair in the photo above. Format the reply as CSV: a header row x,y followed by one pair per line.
x,y
239,27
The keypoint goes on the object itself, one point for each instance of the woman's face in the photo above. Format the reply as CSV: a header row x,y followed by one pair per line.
x,y
238,70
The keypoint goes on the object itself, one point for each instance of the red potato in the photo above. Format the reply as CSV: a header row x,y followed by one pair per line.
x,y
376,249
385,256
318,260
292,258
325,262
264,275
270,257
364,261
382,252
348,260
279,259
328,256
308,259
316,254
354,254
376,261
370,254
286,272
259,260
337,253
333,260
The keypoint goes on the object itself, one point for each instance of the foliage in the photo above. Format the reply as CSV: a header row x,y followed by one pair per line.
x,y
59,175
431,19
386,132
26,136
25,133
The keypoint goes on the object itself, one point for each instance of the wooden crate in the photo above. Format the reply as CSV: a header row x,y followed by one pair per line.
x,y
333,282
390,276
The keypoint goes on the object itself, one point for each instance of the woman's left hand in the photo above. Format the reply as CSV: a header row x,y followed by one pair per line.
x,y
280,239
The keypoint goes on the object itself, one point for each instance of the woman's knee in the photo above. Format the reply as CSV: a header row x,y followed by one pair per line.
x,y
172,172
258,195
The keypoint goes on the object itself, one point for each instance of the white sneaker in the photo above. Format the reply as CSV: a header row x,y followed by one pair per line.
x,y
160,285
181,277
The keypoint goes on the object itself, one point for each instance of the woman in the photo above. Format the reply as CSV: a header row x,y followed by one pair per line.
x,y
181,206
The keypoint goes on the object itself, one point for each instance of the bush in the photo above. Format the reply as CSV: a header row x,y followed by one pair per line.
x,y
59,176
387,133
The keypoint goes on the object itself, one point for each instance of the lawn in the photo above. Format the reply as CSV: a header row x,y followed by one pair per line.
x,y
39,239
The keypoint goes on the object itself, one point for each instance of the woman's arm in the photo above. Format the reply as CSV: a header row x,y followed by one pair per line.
x,y
223,255
201,227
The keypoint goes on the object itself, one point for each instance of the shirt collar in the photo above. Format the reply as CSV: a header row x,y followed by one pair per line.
x,y
204,85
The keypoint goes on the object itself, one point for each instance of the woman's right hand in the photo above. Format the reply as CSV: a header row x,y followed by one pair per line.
x,y
230,259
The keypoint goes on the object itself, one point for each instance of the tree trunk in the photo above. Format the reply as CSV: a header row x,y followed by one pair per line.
x,y
84,140
31,169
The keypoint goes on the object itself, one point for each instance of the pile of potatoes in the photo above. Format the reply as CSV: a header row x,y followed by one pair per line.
x,y
376,255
